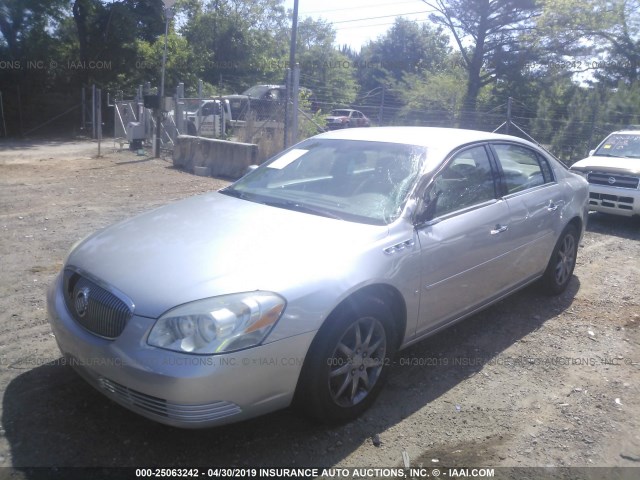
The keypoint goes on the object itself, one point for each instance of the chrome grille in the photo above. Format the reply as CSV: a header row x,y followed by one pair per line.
x,y
95,308
158,406
611,201
613,180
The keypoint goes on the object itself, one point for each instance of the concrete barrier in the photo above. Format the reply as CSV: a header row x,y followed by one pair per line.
x,y
224,159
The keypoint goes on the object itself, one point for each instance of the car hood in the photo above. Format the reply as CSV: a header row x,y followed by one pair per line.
x,y
608,164
214,244
334,117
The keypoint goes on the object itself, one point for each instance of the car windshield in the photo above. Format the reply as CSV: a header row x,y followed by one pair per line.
x,y
339,113
256,91
620,145
360,181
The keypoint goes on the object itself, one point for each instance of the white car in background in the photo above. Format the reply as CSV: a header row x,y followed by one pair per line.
x,y
613,173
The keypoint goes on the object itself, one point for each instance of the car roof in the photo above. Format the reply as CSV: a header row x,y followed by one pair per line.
x,y
442,138
626,132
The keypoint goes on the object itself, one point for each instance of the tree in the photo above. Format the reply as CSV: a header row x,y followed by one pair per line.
x,y
236,41
495,29
406,48
27,47
328,72
551,108
573,118
21,19
432,99
598,35
108,33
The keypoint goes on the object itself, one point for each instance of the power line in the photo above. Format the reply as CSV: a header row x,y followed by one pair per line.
x,y
376,24
373,5
382,16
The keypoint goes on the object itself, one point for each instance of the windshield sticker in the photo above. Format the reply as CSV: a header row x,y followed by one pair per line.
x,y
606,146
287,158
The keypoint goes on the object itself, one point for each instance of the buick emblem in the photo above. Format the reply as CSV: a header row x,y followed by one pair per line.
x,y
82,302
611,180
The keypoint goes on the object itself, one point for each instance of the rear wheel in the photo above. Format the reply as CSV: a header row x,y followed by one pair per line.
x,y
563,260
347,363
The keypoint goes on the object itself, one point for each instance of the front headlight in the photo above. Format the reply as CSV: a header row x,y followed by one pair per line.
x,y
219,324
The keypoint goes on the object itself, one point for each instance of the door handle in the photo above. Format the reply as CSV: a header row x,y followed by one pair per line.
x,y
552,207
499,229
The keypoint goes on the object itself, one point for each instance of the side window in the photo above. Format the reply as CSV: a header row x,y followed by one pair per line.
x,y
546,170
466,181
522,167
207,109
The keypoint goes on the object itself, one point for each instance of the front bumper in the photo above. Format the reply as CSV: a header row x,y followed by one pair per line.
x,y
189,391
613,200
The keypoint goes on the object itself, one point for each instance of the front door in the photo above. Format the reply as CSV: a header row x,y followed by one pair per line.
x,y
464,256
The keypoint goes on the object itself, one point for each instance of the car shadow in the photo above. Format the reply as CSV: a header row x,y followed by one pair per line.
x,y
52,418
623,227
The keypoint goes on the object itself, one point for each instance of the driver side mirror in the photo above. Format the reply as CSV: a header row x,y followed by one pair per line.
x,y
427,208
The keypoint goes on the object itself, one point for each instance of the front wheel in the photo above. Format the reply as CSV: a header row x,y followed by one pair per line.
x,y
563,260
347,363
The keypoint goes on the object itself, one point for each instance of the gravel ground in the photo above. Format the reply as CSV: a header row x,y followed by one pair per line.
x,y
532,381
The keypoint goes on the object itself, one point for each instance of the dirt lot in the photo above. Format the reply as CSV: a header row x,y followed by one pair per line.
x,y
530,382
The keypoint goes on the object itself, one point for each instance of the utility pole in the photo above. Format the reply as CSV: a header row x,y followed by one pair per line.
x,y
179,117
167,15
98,119
83,123
295,97
292,66
93,111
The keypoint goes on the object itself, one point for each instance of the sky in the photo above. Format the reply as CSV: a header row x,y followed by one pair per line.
x,y
358,21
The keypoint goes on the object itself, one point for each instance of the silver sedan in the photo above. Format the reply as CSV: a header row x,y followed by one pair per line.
x,y
297,284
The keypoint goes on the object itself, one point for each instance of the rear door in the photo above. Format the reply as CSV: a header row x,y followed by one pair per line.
x,y
535,201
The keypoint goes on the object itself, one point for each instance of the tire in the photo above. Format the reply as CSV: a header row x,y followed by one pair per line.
x,y
347,363
563,260
191,129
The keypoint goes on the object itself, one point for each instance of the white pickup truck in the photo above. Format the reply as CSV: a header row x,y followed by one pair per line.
x,y
613,172
210,119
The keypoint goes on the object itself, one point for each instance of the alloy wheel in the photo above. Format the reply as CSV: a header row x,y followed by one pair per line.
x,y
357,361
